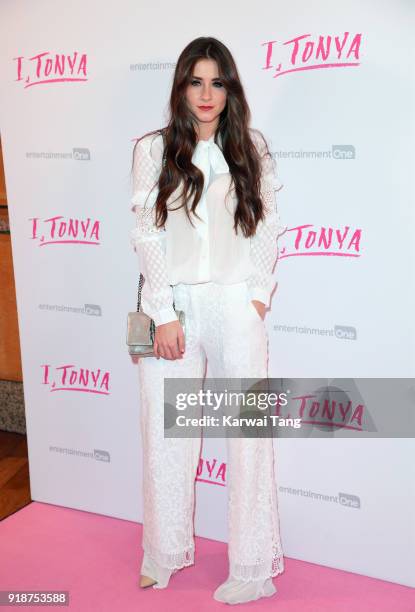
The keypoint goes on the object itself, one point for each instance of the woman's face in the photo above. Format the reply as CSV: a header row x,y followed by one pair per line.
x,y
206,90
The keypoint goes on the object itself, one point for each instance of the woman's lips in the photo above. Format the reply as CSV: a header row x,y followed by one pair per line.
x,y
205,108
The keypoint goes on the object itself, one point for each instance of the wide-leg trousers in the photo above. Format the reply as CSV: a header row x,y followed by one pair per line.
x,y
224,328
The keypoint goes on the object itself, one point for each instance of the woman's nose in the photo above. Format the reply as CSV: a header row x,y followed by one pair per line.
x,y
206,93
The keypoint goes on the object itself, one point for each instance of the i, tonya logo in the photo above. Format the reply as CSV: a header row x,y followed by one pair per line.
x,y
305,53
211,471
47,68
58,230
327,411
323,241
71,378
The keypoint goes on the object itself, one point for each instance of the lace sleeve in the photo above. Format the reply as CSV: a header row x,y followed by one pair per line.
x,y
148,240
264,244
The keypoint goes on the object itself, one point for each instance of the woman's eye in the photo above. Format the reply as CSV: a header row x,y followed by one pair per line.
x,y
196,82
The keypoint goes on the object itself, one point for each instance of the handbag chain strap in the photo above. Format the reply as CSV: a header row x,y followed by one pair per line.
x,y
152,324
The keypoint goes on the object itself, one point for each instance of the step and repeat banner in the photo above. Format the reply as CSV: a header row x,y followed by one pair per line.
x,y
331,87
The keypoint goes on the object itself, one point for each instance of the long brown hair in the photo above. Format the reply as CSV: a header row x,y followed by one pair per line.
x,y
180,139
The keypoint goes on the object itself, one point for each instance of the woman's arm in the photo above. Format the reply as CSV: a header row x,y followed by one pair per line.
x,y
264,249
149,241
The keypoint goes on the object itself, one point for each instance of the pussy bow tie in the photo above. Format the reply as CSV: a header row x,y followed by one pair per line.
x,y
208,155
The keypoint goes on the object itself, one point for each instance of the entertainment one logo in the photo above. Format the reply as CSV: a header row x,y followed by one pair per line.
x,y
76,154
69,377
323,241
305,52
93,310
58,230
46,68
349,500
97,453
339,332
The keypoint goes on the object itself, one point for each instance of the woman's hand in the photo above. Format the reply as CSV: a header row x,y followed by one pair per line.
x,y
169,341
260,308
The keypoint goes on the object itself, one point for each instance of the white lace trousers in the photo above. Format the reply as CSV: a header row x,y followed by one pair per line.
x,y
222,326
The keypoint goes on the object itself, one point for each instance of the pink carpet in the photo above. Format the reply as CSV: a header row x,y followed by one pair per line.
x,y
97,559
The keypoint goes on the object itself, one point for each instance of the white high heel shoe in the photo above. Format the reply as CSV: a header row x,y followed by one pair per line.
x,y
234,591
153,574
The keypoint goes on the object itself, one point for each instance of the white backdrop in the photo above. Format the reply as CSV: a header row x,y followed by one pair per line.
x,y
341,128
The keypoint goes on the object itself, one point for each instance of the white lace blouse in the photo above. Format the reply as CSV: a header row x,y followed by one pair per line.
x,y
209,251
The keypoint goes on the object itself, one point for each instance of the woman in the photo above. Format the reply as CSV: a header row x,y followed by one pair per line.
x,y
206,232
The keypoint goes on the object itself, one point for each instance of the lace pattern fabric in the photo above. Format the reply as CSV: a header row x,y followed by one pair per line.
x,y
215,315
264,250
148,240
